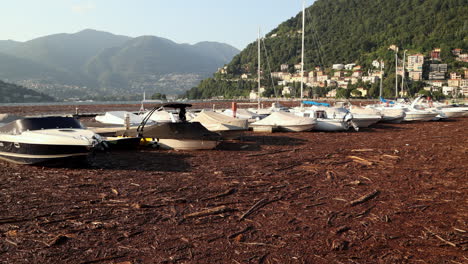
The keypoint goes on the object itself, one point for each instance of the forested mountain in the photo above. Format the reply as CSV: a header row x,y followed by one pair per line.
x,y
11,93
92,63
347,31
66,51
7,44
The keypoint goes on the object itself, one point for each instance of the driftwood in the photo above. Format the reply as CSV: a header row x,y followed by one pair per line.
x,y
245,230
211,211
440,238
226,193
365,198
257,206
360,160
362,150
268,153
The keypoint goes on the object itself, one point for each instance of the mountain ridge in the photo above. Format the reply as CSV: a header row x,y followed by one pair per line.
x,y
102,63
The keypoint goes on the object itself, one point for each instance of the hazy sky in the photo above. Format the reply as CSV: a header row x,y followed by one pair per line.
x,y
234,22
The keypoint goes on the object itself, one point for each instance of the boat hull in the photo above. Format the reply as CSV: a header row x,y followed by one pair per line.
x,y
331,125
392,119
365,122
30,154
187,144
296,128
181,144
419,116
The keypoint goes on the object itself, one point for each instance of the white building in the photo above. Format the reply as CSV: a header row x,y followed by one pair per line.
x,y
287,90
338,67
350,66
371,79
449,90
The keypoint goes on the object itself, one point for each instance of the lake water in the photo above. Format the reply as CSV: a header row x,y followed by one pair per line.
x,y
72,103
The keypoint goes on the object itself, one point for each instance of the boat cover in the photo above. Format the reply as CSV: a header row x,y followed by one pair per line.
x,y
315,103
184,130
163,116
242,113
118,118
219,122
284,119
38,123
364,111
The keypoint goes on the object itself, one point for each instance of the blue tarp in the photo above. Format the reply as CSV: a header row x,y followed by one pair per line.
x,y
315,103
386,101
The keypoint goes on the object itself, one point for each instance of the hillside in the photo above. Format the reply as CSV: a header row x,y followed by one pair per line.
x,y
66,51
8,44
93,64
11,93
360,31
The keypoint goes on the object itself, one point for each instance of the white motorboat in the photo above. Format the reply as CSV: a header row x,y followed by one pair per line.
x,y
389,114
365,117
286,122
180,135
226,126
323,122
45,139
327,118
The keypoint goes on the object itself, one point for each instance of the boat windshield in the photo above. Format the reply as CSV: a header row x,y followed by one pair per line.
x,y
39,123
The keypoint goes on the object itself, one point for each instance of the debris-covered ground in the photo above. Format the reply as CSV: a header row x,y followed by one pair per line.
x,y
396,193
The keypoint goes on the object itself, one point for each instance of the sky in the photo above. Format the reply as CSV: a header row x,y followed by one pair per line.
x,y
234,22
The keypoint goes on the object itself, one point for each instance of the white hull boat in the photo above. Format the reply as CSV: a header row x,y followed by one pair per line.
x,y
362,120
187,144
330,125
419,115
178,135
286,122
45,139
323,120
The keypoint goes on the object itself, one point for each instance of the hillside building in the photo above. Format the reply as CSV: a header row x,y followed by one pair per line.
x,y
454,82
437,71
338,67
284,67
435,54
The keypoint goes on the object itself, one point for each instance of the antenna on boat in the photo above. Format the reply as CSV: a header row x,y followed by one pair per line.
x,y
302,52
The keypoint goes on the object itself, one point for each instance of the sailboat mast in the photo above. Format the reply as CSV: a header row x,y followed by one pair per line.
x,y
381,78
302,52
396,73
259,68
403,73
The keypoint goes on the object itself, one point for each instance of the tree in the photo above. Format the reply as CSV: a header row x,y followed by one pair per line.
x,y
342,93
356,93
158,96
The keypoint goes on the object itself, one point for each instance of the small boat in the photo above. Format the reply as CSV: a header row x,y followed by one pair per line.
x,y
327,118
365,117
180,135
226,126
288,122
46,139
